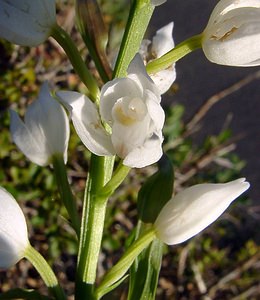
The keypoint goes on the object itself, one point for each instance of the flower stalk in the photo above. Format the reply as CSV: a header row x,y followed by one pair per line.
x,y
65,191
125,262
45,272
174,55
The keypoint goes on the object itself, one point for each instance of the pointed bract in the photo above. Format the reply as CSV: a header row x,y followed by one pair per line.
x,y
26,22
233,32
13,231
194,209
45,130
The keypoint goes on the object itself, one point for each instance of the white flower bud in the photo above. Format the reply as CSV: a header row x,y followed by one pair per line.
x,y
45,130
233,33
13,231
131,106
194,209
26,22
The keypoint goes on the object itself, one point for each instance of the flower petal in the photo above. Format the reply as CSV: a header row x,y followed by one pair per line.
x,y
147,154
162,41
232,34
87,123
195,208
137,72
26,22
114,90
41,136
13,230
157,2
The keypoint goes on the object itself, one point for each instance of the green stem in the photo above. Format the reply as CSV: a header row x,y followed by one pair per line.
x,y
138,20
93,217
45,272
65,191
119,270
119,175
76,60
174,55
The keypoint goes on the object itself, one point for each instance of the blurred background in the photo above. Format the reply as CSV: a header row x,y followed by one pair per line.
x,y
211,135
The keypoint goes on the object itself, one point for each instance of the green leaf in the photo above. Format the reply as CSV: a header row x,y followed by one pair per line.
x,y
156,191
145,272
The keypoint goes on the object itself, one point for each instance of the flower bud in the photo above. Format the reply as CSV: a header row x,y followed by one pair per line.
x,y
194,209
233,33
13,231
26,22
45,130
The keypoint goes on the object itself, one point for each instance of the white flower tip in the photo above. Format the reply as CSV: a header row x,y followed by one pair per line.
x,y
195,208
13,230
157,2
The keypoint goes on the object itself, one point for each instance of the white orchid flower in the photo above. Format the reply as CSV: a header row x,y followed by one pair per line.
x,y
131,107
194,209
161,43
26,22
13,231
45,130
233,33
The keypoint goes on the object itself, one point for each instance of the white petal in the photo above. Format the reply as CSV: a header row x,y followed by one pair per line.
x,y
126,138
13,230
26,22
147,154
164,79
25,141
195,208
87,123
157,2
162,41
232,34
155,111
45,131
137,72
225,6
114,90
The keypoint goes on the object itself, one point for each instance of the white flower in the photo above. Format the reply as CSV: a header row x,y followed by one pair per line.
x,y
157,2
233,33
45,130
195,208
131,107
13,231
27,22
162,43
